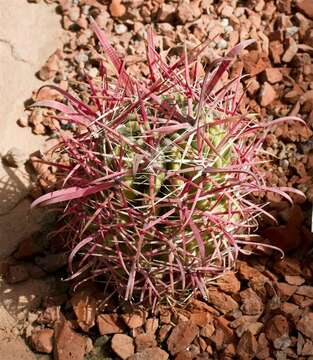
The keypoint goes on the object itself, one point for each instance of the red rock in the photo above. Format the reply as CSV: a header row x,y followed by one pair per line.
x,y
51,66
305,291
222,302
201,306
151,325
286,290
166,12
276,327
188,11
305,325
287,266
267,94
253,86
150,354
284,6
184,355
145,341
68,345
294,280
201,318
207,330
247,346
243,319
122,345
276,50
109,324
223,324
117,9
46,94
135,319
255,62
181,337
305,6
230,351
42,340
263,351
251,302
218,339
282,343
163,332
256,279
273,75
165,315
229,283
227,11
254,328
292,49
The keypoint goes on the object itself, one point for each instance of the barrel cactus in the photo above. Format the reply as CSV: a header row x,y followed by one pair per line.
x,y
158,184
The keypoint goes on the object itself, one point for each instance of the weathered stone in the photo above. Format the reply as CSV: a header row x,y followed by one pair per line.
x,y
229,283
182,336
305,6
221,301
267,94
305,325
251,302
123,346
109,324
42,340
145,341
276,327
247,346
68,345
150,354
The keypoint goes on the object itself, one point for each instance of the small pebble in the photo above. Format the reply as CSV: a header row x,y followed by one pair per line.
x,y
222,44
120,29
290,31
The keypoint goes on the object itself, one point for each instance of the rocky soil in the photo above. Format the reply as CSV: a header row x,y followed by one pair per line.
x,y
264,309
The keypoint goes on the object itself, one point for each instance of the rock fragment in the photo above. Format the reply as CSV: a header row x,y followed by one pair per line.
x,y
150,354
109,324
49,70
229,283
251,302
247,346
221,301
181,337
305,6
68,345
123,346
291,50
267,94
42,340
273,75
305,325
276,327
117,9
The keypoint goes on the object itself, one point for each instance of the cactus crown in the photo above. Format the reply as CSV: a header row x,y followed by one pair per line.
x,y
160,176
